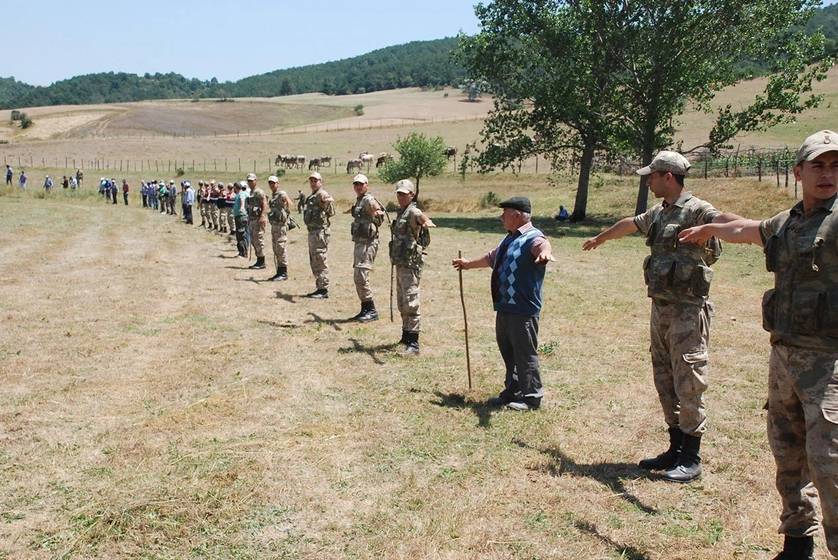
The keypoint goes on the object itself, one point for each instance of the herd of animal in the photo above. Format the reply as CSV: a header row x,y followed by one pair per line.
x,y
364,160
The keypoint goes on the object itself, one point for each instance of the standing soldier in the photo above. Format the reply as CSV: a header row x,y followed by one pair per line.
x,y
257,215
801,313
212,209
229,196
201,202
240,216
368,215
409,239
678,279
318,209
280,211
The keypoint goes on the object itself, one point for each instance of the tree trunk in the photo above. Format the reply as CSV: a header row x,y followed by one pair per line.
x,y
416,197
581,204
643,192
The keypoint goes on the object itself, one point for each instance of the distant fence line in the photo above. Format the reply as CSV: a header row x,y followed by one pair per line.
x,y
773,164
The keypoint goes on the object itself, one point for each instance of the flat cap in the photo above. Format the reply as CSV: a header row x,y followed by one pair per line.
x,y
405,186
817,144
667,161
520,203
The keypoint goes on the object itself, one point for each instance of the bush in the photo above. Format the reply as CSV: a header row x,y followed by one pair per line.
x,y
359,109
179,172
489,200
25,121
280,172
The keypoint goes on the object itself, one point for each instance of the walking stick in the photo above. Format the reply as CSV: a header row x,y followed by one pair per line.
x,y
465,320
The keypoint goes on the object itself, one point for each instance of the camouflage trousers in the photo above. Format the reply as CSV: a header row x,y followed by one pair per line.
x,y
213,214
231,221
407,296
318,246
257,237
279,238
362,262
223,217
803,434
202,206
680,336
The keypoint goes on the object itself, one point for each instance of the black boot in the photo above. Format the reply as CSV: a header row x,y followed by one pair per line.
x,y
320,293
688,466
412,342
668,458
259,264
281,273
797,548
368,312
361,313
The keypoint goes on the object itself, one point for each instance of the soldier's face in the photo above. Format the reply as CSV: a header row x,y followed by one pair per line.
x,y
819,176
657,183
273,186
404,199
313,183
359,188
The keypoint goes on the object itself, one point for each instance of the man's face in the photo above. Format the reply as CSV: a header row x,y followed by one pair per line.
x,y
360,188
251,183
404,199
273,185
314,183
819,176
657,183
510,219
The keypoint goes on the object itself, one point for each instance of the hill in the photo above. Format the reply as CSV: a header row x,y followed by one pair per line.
x,y
416,64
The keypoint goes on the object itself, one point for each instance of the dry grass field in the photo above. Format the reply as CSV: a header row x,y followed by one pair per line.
x,y
162,401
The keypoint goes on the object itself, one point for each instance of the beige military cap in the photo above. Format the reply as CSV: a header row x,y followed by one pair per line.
x,y
360,178
315,175
251,176
667,161
405,186
817,144
273,179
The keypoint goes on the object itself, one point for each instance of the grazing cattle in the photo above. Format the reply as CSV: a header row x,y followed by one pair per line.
x,y
354,164
314,163
300,162
366,158
383,159
325,161
450,151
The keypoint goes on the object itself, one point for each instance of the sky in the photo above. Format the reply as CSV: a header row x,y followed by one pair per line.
x,y
56,39
53,40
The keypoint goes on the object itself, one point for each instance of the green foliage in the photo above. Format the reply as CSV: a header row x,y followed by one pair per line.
x,y
489,200
280,172
419,156
359,109
25,121
179,172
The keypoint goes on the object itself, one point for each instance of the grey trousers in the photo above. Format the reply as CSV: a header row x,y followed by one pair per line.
x,y
517,337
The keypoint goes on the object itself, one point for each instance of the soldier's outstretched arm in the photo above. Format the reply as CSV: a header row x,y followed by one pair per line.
x,y
624,227
738,231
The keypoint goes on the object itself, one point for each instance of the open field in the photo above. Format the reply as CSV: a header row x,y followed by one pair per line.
x,y
161,401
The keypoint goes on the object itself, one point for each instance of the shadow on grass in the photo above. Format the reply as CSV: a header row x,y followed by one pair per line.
x,y
371,351
483,224
611,475
457,401
223,256
251,279
290,298
334,323
627,552
278,324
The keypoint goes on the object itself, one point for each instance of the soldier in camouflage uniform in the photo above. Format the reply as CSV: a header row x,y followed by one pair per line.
x,y
257,215
678,278
318,209
229,197
801,313
407,252
368,215
279,212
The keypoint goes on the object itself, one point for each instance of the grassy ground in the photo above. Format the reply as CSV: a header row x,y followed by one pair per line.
x,y
162,401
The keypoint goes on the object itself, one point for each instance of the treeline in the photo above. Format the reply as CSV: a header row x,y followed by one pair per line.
x,y
416,64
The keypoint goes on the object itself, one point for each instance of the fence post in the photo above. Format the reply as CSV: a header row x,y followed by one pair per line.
x,y
787,173
240,160
706,163
777,169
759,169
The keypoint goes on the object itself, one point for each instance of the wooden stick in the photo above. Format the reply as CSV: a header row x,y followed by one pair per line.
x,y
465,320
392,273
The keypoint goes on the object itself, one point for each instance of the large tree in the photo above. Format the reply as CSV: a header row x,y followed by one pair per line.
x,y
576,78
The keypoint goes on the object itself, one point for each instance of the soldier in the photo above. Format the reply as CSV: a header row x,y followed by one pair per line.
x,y
212,205
229,196
280,212
518,265
240,216
319,208
368,215
257,215
409,238
801,313
221,203
678,279
201,203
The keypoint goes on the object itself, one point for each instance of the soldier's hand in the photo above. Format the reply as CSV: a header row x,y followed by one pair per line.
x,y
697,235
592,243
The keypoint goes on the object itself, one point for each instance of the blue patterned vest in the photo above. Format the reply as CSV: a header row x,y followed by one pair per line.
x,y
516,279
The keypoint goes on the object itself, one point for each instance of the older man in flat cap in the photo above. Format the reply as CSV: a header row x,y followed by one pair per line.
x,y
518,265
678,279
801,313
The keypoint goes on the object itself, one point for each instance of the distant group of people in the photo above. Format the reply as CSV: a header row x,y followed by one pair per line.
x,y
72,181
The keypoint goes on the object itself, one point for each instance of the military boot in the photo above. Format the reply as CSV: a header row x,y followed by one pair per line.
x,y
797,548
259,264
368,312
281,273
412,342
361,313
688,466
668,458
320,293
